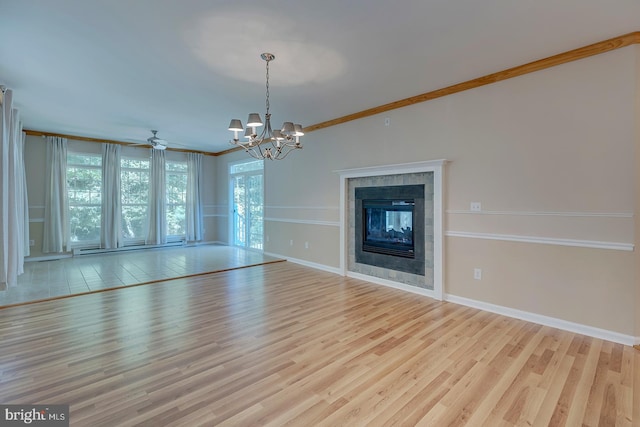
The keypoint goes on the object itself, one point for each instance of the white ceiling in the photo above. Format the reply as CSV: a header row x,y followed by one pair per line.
x,y
115,69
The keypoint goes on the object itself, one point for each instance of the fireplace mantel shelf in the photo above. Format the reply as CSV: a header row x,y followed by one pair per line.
x,y
391,169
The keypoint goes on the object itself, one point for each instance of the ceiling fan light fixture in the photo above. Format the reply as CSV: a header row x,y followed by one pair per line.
x,y
272,144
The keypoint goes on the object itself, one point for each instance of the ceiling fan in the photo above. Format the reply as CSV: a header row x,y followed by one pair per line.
x,y
155,142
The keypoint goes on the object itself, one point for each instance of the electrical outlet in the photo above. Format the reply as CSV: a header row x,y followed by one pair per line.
x,y
32,242
306,245
476,206
477,273
291,242
387,121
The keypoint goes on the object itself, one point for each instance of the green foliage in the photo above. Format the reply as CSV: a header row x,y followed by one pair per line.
x,y
176,192
84,187
84,190
134,191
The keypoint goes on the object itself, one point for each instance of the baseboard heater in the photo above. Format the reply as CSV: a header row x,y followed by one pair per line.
x,y
78,252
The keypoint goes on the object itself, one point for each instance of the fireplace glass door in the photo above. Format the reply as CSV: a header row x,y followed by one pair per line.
x,y
388,227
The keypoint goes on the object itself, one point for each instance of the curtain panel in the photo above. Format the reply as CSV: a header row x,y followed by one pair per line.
x,y
5,120
56,204
111,227
14,231
194,197
157,233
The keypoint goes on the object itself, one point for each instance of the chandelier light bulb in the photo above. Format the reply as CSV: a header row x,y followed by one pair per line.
x,y
235,126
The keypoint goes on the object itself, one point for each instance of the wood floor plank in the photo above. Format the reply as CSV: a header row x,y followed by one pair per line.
x,y
286,345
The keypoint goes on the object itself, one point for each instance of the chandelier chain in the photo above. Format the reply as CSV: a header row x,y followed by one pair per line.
x,y
267,102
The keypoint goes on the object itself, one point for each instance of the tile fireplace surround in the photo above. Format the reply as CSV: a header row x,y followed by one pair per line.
x,y
380,270
428,174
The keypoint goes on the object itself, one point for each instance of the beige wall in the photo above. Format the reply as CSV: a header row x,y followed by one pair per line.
x,y
549,155
209,197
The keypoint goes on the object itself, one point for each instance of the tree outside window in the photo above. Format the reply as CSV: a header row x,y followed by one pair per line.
x,y
176,198
134,189
84,190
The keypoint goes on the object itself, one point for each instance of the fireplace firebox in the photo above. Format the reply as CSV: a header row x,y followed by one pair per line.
x,y
389,227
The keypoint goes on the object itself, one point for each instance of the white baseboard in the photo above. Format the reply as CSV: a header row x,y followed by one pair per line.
x,y
307,263
545,320
391,284
78,252
47,258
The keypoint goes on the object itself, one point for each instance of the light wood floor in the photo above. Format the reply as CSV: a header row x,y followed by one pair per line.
x,y
285,345
93,273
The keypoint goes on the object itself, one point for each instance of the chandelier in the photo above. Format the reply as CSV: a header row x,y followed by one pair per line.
x,y
272,144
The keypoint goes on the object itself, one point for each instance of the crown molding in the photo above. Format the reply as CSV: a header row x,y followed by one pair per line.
x,y
531,67
31,132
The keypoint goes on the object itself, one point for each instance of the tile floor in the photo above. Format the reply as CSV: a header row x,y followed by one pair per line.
x,y
86,273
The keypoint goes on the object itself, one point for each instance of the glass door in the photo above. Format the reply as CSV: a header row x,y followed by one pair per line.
x,y
247,197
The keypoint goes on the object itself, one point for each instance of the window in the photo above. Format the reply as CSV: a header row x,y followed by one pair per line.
x,y
176,198
84,189
134,188
246,195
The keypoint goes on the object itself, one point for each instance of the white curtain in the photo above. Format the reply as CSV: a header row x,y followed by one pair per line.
x,y
111,227
157,234
194,197
5,132
56,205
14,232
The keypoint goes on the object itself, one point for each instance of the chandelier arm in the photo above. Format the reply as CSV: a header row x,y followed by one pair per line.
x,y
252,153
258,149
291,144
286,153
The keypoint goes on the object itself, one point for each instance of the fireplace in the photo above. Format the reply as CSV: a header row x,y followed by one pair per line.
x,y
389,227
421,182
